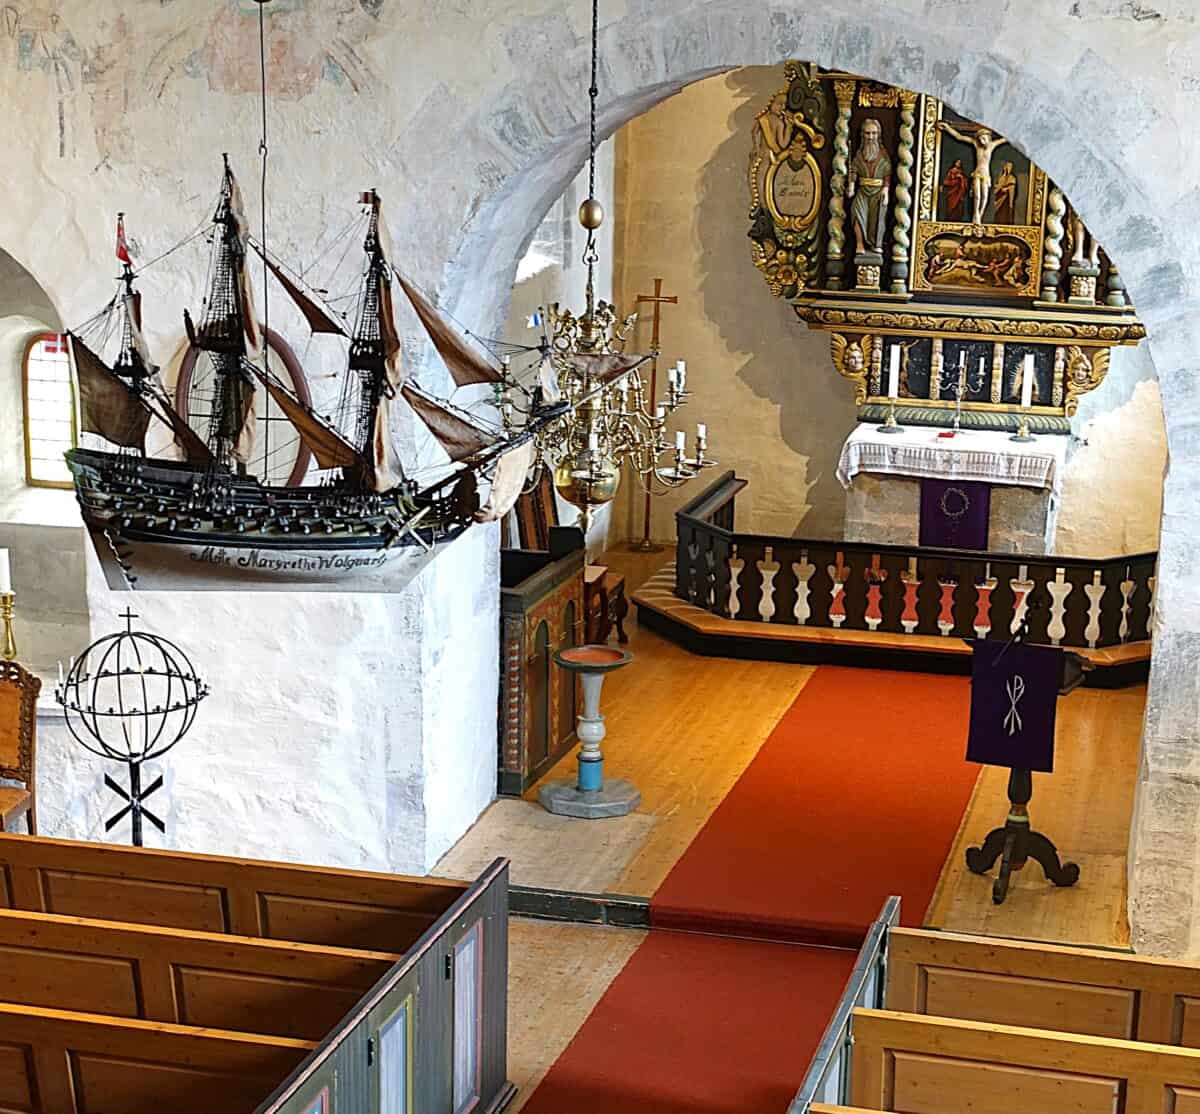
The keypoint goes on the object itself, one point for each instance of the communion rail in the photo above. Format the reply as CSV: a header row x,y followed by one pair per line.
x,y
905,590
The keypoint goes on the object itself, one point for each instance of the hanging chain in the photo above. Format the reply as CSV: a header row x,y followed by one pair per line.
x,y
262,150
590,255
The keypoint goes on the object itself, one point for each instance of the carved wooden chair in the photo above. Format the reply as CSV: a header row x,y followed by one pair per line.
x,y
18,740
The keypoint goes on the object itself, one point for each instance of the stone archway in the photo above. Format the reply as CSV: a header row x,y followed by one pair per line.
x,y
1041,83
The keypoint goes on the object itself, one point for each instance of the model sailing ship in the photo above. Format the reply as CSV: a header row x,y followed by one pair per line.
x,y
201,521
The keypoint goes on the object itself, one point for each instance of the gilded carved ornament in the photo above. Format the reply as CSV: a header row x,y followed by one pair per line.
x,y
850,359
1084,373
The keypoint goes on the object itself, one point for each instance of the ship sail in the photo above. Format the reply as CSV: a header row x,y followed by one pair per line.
x,y
320,318
193,448
465,365
460,438
508,481
107,405
328,446
606,367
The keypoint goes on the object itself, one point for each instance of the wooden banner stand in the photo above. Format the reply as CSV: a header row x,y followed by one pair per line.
x,y
1016,842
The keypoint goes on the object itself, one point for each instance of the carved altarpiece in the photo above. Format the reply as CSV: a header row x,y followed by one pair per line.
x,y
1026,278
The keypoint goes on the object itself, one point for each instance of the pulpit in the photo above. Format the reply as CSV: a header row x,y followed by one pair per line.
x,y
965,489
541,612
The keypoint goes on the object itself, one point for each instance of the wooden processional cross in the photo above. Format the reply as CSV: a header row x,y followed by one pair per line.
x,y
658,299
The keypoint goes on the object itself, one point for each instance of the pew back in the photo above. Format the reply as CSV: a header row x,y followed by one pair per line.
x,y
209,893
186,978
932,1065
1075,990
435,1027
62,1062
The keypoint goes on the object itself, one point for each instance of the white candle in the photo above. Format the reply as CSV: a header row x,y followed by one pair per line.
x,y
5,572
682,365
673,375
660,412
894,373
702,431
593,441
1027,383
680,440
981,369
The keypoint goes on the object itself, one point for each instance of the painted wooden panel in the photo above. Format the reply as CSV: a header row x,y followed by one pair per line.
x,y
80,1064
107,1085
16,1074
167,904
261,1004
1020,1000
1185,1100
60,980
1091,992
343,924
944,1085
1189,1021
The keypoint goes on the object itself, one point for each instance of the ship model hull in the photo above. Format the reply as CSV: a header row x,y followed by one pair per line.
x,y
161,524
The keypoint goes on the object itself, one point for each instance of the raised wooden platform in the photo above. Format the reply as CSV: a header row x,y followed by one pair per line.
x,y
701,632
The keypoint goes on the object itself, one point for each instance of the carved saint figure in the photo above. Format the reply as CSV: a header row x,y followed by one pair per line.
x,y
1005,194
954,186
868,184
985,144
777,128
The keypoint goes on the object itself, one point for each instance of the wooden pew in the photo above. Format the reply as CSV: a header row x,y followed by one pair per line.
x,y
209,893
62,1062
1043,986
165,974
935,1065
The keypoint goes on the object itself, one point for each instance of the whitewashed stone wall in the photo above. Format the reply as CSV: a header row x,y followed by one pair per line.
x,y
344,729
128,106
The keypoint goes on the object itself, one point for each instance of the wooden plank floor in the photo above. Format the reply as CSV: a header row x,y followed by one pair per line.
x,y
1084,807
556,974
682,728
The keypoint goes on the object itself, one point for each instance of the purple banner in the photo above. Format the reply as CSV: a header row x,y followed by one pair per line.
x,y
954,514
1014,700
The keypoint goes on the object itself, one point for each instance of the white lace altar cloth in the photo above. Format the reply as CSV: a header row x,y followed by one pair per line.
x,y
971,454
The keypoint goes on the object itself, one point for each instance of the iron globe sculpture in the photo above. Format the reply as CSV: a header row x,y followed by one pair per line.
x,y
131,697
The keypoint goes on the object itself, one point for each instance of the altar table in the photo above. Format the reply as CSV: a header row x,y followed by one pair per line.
x,y
882,473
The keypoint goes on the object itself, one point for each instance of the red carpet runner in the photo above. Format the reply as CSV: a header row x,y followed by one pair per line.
x,y
856,795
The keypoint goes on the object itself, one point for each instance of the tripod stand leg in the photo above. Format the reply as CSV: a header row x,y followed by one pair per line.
x,y
1046,855
981,859
1000,886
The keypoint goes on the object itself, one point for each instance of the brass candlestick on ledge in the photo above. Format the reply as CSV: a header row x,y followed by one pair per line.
x,y
8,650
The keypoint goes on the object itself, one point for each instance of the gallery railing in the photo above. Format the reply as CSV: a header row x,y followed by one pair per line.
x,y
828,1077
906,590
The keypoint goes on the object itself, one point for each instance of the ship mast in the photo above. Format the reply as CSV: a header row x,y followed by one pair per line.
x,y
228,331
374,342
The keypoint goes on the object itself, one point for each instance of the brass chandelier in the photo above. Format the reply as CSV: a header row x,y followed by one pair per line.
x,y
611,420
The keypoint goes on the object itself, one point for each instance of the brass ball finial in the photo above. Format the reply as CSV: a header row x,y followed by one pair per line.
x,y
591,214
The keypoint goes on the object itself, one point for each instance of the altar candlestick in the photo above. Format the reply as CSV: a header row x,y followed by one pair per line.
x,y
894,373
1027,383
5,572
